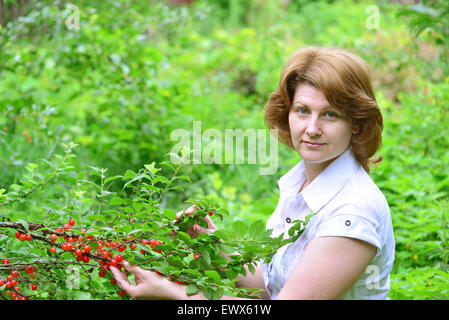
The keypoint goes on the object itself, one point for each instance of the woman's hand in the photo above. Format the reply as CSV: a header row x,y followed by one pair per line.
x,y
149,285
195,230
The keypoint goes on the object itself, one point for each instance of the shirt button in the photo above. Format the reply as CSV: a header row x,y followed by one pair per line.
x,y
288,220
348,223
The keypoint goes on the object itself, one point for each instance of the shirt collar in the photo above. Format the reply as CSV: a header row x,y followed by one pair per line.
x,y
324,187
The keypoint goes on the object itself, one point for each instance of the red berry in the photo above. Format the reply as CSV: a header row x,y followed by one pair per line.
x,y
211,213
5,261
71,222
2,282
17,234
86,259
78,252
122,293
34,287
195,256
119,258
15,273
53,237
87,249
113,263
9,278
113,281
29,237
102,273
29,269
23,237
121,248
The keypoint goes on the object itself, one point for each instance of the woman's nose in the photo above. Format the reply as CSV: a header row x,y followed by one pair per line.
x,y
313,127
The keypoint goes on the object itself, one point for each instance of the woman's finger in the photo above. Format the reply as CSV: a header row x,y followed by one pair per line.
x,y
200,230
135,270
188,211
192,209
210,223
122,279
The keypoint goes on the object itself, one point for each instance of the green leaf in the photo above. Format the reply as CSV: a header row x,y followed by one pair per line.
x,y
23,223
184,177
212,274
112,178
239,229
160,179
256,229
184,236
205,254
192,272
213,293
251,268
170,214
129,174
116,201
191,289
126,228
93,217
138,206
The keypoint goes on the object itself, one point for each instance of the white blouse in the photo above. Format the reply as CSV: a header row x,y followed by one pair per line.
x,y
346,203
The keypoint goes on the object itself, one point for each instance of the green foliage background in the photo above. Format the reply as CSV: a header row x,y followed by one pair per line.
x,y
135,71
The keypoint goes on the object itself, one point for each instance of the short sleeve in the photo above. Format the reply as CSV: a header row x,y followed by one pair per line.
x,y
351,226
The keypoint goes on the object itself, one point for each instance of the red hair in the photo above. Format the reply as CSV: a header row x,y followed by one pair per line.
x,y
345,80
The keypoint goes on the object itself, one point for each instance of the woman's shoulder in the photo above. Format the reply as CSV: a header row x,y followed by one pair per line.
x,y
361,196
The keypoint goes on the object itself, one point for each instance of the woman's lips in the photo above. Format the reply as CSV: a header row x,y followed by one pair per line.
x,y
313,144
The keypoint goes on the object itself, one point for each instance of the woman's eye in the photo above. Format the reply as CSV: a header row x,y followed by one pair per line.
x,y
331,114
302,110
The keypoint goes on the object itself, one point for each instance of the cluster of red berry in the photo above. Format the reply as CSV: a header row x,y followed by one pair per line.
x,y
23,237
85,248
81,248
11,283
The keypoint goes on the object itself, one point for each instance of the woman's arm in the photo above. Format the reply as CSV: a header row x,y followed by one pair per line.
x,y
328,268
254,281
150,285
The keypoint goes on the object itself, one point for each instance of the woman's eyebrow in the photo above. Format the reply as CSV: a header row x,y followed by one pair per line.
x,y
299,103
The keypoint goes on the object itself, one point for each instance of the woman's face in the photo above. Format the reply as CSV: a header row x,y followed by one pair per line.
x,y
320,132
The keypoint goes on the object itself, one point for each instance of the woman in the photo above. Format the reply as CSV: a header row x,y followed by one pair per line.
x,y
324,109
